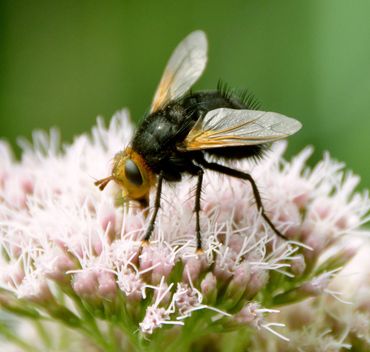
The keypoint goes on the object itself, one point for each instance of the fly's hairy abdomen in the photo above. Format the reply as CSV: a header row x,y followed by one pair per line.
x,y
198,104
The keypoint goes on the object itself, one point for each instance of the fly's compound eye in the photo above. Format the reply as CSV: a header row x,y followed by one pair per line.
x,y
133,173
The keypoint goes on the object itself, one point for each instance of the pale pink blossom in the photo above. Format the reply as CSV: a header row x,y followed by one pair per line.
x,y
73,254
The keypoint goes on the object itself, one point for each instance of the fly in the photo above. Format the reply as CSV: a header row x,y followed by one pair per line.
x,y
184,129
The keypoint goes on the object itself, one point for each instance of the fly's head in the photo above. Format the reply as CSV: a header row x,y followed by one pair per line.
x,y
132,174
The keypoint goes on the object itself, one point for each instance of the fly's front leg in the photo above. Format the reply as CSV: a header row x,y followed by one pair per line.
x,y
157,205
244,176
197,209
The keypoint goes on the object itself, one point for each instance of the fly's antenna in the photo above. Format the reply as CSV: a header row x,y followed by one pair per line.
x,y
103,182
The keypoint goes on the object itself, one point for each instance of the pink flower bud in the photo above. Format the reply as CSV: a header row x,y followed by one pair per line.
x,y
290,215
146,258
186,298
154,318
107,218
107,287
238,284
302,196
131,284
259,278
27,185
85,284
35,290
249,315
55,264
12,274
97,244
298,265
160,259
193,268
208,285
225,264
316,286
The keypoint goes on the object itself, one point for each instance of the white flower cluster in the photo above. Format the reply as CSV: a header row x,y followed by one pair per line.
x,y
74,253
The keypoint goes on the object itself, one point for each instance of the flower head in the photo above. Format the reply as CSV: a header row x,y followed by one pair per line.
x,y
73,254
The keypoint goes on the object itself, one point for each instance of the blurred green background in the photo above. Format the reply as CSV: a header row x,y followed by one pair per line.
x,y
64,62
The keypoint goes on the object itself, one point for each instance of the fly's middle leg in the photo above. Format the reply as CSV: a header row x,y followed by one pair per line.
x,y
157,205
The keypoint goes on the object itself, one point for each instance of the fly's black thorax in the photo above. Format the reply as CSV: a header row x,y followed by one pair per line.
x,y
157,137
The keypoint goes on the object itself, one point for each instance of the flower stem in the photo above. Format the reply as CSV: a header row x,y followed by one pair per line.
x,y
9,335
45,337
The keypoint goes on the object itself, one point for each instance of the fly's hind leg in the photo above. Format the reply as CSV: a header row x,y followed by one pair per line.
x,y
244,176
197,209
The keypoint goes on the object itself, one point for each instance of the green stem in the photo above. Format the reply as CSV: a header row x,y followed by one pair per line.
x,y
11,336
130,335
126,323
45,337
90,327
113,338
189,333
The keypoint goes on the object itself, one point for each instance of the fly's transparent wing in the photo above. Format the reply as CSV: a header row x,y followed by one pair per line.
x,y
228,127
185,66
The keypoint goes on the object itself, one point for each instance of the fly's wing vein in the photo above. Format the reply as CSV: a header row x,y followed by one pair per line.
x,y
228,127
184,68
